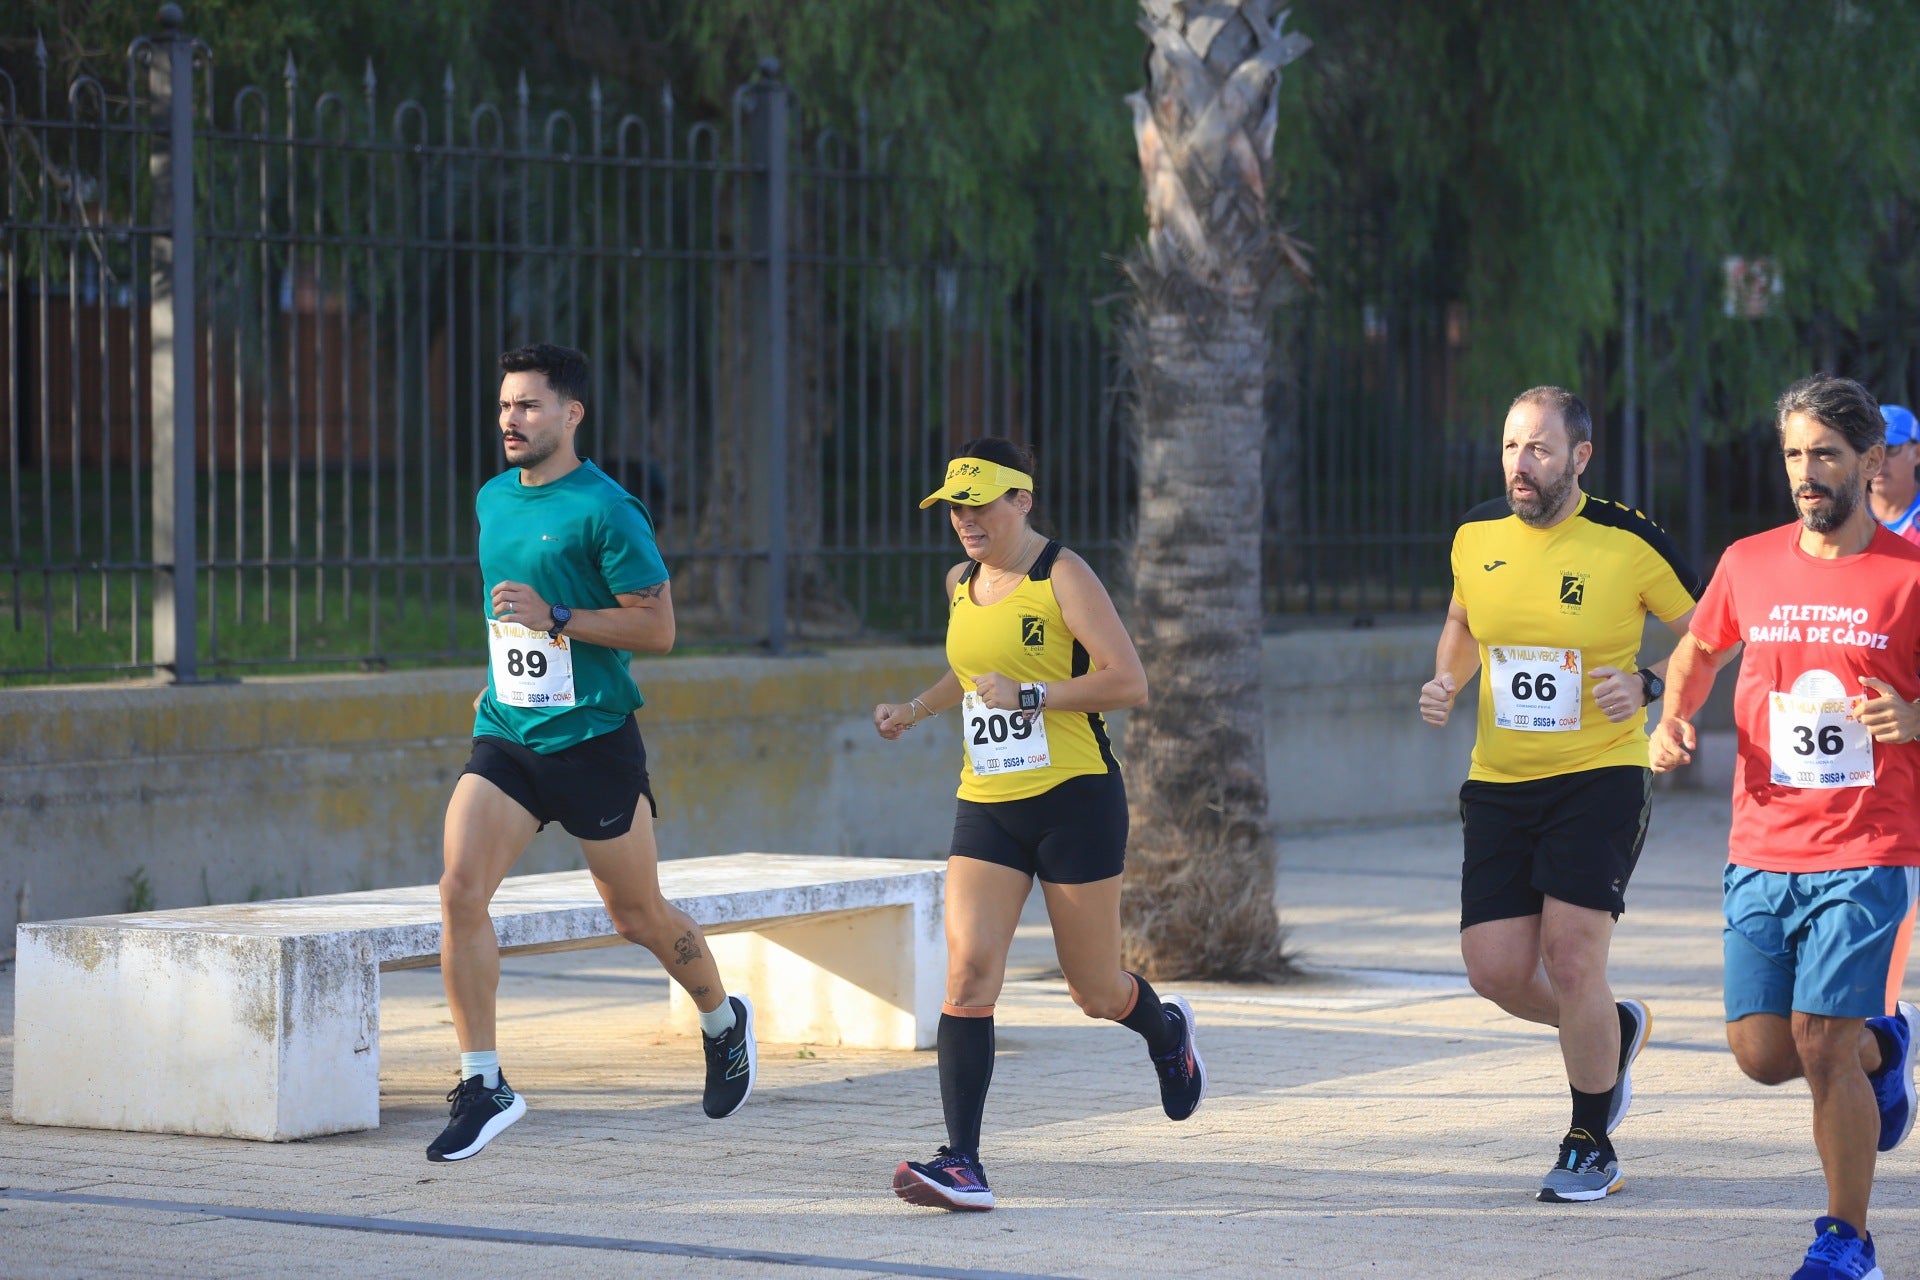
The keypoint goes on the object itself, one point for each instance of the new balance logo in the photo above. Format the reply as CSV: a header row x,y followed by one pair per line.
x,y
737,1062
1491,567
503,1099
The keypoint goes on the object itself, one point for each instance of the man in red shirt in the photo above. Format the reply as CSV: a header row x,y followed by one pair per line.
x,y
1826,836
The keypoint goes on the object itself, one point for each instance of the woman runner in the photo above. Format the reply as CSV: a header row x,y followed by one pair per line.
x,y
1036,654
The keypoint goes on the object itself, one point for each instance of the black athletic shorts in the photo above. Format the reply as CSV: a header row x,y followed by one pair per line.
x,y
1074,833
1575,837
592,788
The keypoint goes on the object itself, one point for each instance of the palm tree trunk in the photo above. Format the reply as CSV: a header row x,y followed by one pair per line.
x,y
1200,874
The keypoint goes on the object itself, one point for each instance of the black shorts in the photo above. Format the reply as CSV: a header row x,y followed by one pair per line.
x,y
592,788
1575,837
1074,833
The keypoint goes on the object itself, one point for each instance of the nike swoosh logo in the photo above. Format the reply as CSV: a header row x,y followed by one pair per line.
x,y
607,822
1491,567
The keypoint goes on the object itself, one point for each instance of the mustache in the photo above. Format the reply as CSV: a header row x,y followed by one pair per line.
x,y
1812,490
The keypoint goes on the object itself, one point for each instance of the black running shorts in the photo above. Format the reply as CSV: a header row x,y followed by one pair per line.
x,y
1074,833
592,788
1575,837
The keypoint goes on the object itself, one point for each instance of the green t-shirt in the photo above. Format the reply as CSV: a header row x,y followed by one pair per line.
x,y
580,541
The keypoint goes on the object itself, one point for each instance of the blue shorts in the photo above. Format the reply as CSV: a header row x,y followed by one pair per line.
x,y
1819,942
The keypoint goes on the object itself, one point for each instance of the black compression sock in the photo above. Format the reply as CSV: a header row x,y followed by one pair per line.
x,y
1149,1020
1888,1052
1590,1113
965,1048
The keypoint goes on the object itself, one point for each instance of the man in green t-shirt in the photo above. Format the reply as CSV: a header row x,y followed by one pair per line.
x,y
575,585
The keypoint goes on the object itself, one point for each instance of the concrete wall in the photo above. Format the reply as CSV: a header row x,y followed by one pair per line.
x,y
318,784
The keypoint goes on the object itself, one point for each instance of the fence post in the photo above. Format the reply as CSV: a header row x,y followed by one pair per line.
x,y
767,460
172,326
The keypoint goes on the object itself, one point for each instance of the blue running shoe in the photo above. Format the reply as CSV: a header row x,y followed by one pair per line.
x,y
1838,1253
1183,1076
948,1181
1893,1082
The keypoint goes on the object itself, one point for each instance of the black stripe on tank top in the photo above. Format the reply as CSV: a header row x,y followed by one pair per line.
x,y
1082,661
1082,664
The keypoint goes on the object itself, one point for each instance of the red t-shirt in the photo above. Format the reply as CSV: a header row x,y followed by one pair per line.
x,y
1812,791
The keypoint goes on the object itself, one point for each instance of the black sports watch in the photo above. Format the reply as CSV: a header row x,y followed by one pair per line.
x,y
561,617
1653,684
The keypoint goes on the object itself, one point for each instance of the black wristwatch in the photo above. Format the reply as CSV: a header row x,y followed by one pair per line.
x,y
1653,684
561,617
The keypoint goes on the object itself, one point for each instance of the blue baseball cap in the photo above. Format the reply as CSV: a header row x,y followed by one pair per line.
x,y
1901,425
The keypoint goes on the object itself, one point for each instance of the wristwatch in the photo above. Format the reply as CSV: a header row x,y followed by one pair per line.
x,y
1653,684
561,617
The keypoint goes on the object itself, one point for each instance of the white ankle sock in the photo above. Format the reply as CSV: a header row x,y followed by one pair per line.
x,y
485,1065
719,1022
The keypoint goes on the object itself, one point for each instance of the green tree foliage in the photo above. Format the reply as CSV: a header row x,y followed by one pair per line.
x,y
1524,157
1004,109
250,39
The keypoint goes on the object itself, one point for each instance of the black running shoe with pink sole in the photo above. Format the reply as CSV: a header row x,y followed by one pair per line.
x,y
948,1181
1183,1076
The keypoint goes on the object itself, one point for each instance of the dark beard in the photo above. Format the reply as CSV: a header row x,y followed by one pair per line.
x,y
1542,510
534,455
1841,504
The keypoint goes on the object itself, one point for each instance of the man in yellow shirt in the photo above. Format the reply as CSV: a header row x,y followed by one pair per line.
x,y
1551,589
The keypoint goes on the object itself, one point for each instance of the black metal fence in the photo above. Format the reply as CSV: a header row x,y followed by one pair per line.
x,y
249,357
249,344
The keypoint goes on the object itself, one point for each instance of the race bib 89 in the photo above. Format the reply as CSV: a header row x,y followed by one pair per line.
x,y
530,669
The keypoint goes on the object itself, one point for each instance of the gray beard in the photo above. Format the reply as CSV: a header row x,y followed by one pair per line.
x,y
1846,500
1542,510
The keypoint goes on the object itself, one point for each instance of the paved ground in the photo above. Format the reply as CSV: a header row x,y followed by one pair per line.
x,y
1377,1120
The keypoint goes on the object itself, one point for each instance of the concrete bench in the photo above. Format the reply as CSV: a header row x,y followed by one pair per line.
x,y
262,1020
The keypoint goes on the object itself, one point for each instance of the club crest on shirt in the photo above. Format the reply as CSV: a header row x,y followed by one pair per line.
x,y
1573,591
1033,631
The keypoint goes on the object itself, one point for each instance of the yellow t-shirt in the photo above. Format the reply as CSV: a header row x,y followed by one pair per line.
x,y
1024,637
1547,606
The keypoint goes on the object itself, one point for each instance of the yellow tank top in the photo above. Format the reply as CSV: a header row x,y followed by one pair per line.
x,y
1023,637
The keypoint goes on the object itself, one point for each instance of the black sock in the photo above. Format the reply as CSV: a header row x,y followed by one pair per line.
x,y
966,1069
1590,1113
1627,1028
1888,1051
1149,1020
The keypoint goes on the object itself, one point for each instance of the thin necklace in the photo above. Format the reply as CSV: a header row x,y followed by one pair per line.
x,y
998,586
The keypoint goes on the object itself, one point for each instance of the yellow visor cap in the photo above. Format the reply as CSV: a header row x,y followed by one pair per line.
x,y
974,482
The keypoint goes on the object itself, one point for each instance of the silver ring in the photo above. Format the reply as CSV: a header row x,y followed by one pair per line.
x,y
509,606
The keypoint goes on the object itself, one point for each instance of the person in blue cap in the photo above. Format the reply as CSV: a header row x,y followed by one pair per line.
x,y
1895,493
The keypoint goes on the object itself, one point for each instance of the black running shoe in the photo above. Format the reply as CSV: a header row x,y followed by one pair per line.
x,y
1183,1076
948,1181
480,1115
731,1063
